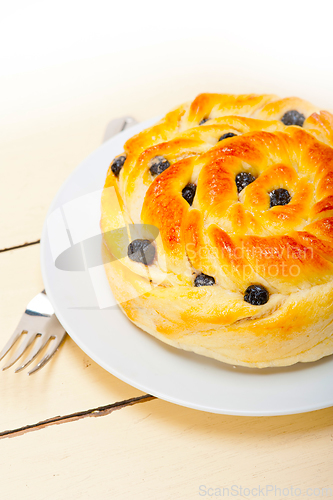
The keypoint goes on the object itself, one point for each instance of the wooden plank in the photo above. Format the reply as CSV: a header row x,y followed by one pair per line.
x,y
71,382
157,450
32,169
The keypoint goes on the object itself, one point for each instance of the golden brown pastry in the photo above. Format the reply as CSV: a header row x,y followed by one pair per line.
x,y
240,189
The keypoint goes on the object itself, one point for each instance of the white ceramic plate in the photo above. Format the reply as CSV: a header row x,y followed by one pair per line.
x,y
132,355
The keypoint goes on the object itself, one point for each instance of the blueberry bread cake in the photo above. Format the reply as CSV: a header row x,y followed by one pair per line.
x,y
239,190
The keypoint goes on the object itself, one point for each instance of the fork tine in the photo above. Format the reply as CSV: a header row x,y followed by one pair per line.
x,y
25,344
11,342
40,344
54,346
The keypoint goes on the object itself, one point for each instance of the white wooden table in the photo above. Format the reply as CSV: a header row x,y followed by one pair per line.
x,y
72,430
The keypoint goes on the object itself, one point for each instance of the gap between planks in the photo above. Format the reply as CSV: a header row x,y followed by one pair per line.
x,y
100,411
20,246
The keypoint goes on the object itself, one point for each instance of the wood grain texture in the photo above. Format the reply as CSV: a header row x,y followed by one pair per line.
x,y
157,450
71,381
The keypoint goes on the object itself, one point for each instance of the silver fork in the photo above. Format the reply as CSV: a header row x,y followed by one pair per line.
x,y
39,321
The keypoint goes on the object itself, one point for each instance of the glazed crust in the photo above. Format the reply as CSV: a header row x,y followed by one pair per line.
x,y
235,237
